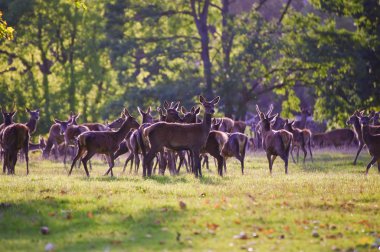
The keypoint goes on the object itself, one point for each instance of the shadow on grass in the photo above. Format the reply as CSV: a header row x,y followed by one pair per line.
x,y
71,228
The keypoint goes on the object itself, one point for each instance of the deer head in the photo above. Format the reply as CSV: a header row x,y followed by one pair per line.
x,y
34,114
216,123
266,121
172,113
8,116
209,106
146,116
118,122
190,116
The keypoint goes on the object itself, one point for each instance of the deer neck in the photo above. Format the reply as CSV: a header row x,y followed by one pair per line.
x,y
123,131
358,128
365,133
206,123
32,124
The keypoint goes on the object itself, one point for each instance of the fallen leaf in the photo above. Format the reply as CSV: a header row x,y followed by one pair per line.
x,y
212,226
182,205
237,221
90,215
241,236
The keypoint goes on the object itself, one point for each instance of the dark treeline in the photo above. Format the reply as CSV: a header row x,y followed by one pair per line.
x,y
94,60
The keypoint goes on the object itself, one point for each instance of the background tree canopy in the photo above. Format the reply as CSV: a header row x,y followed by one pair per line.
x,y
96,57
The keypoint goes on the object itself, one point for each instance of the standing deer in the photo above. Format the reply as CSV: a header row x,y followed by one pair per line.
x,y
102,142
355,122
33,119
275,142
7,120
301,139
372,142
177,136
14,138
302,123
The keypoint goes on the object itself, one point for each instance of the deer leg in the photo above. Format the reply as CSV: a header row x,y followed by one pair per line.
x,y
285,158
370,165
291,152
221,162
298,153
304,153
26,153
111,164
270,162
197,163
78,156
311,154
359,150
129,158
88,156
147,162
5,160
137,163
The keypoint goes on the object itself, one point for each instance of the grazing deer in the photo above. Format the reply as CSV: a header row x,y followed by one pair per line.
x,y
14,138
226,124
301,139
355,122
33,119
61,150
103,142
275,142
317,140
132,140
339,137
372,142
40,146
239,126
177,136
235,147
70,131
215,142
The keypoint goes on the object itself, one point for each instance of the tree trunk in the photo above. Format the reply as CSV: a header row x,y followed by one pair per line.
x,y
200,18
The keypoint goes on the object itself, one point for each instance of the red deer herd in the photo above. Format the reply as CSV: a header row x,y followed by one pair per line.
x,y
184,139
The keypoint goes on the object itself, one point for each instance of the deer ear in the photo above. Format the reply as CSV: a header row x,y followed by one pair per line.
x,y
38,110
257,109
13,113
27,110
126,112
166,104
201,99
192,109
148,111
138,109
197,111
176,105
215,100
57,121
292,122
183,110
272,118
270,110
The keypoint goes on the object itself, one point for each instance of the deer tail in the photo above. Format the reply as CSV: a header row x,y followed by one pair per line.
x,y
140,141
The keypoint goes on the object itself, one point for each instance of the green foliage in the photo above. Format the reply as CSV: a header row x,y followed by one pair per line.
x,y
6,32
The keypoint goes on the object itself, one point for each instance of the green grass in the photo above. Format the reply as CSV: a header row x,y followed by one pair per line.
x,y
331,197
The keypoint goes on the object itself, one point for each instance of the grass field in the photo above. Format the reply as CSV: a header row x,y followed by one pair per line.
x,y
328,205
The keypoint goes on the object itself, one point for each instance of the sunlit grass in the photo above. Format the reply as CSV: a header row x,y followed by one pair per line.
x,y
320,206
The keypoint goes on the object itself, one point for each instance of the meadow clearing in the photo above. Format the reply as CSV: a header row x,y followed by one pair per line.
x,y
328,205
